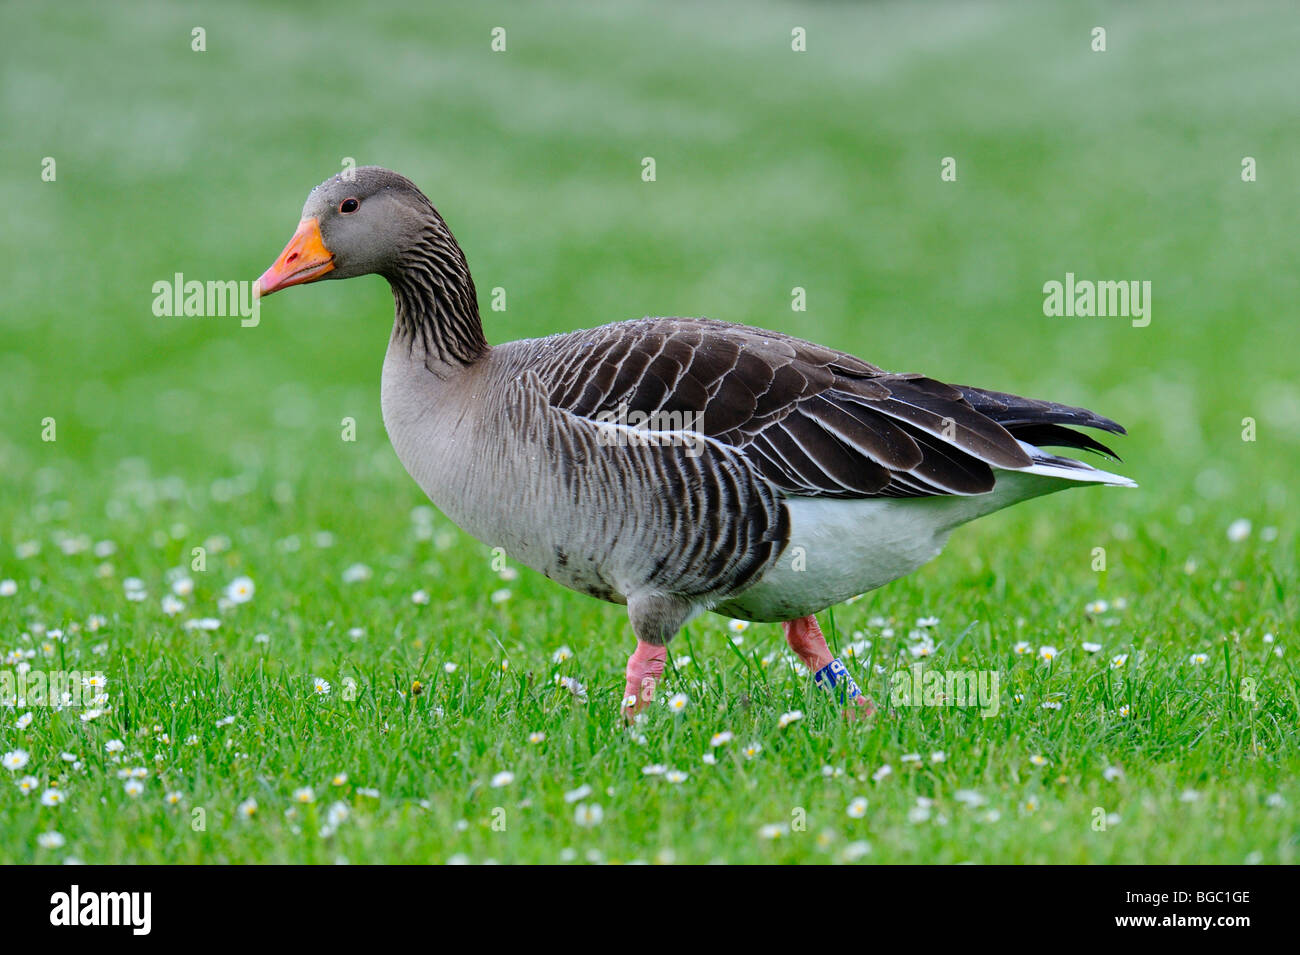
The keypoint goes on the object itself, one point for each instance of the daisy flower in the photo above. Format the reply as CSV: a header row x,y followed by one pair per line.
x,y
588,814
1196,659
52,797
339,779
562,654
737,626
752,750
24,721
133,787
1092,648
14,760
883,773
1096,607
1038,760
173,798
786,719
1047,653
114,746
28,784
356,573
1022,648
574,795
721,738
304,794
247,808
678,703
321,687
855,851
503,778
654,769
771,831
857,808
50,840
1239,530
1118,660
537,737
420,598
675,776
580,691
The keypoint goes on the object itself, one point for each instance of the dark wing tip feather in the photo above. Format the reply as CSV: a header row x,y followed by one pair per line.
x,y
1011,410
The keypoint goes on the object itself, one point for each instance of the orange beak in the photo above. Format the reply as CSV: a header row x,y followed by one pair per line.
x,y
304,259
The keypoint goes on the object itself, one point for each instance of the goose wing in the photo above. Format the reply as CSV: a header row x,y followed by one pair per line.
x,y
811,420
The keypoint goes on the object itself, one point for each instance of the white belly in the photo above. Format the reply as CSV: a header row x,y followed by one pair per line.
x,y
839,549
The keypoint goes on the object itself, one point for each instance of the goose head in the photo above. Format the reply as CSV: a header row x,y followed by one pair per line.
x,y
367,222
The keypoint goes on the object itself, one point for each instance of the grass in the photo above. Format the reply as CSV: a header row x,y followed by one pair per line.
x,y
774,170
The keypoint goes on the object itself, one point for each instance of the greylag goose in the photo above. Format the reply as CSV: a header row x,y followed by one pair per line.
x,y
675,465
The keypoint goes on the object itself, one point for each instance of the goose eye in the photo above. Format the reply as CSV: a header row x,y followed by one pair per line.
x,y
349,205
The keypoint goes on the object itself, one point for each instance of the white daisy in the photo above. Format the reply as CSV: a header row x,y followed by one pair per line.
x,y
1239,530
14,760
791,717
240,590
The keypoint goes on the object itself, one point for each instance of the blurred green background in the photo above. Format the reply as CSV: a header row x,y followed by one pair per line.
x,y
775,169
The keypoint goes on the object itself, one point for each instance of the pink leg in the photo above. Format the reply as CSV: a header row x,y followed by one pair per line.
x,y
807,640
644,668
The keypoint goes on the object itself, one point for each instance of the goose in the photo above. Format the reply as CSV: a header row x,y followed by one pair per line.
x,y
676,465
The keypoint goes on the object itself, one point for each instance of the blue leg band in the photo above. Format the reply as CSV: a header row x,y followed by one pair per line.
x,y
835,677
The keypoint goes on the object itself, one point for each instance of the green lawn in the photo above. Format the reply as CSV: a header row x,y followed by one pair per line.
x,y
774,170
